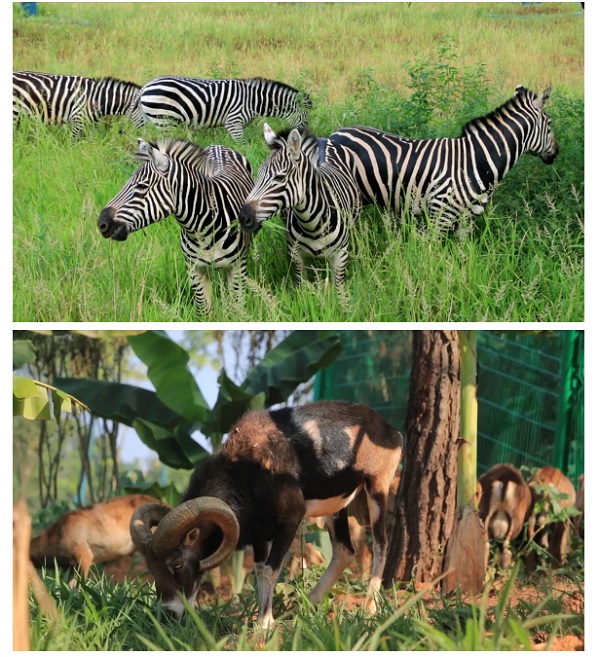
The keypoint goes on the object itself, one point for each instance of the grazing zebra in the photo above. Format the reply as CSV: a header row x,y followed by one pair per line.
x,y
307,177
447,178
230,103
204,188
73,99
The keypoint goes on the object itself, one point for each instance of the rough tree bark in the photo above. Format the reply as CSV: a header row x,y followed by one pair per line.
x,y
426,502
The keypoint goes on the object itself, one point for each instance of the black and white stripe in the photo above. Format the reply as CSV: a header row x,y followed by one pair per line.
x,y
309,179
73,99
230,103
204,188
447,178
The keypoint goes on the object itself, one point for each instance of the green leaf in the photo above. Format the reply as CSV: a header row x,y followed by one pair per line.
x,y
169,373
174,448
23,353
119,401
36,400
232,402
293,361
30,399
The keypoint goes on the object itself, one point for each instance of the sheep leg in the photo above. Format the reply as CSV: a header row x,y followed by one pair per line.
x,y
341,542
268,572
377,504
506,558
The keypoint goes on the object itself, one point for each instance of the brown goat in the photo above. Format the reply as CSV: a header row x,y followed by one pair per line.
x,y
92,534
579,503
505,505
555,537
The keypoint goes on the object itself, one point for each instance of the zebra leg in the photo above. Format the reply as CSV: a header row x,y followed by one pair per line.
x,y
338,263
236,279
201,288
298,261
235,128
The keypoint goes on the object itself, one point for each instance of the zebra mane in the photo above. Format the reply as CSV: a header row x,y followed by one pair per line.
x,y
262,82
513,102
180,150
308,138
115,82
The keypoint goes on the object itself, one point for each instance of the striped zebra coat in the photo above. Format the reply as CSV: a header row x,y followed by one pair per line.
x,y
230,103
307,180
448,178
204,188
73,99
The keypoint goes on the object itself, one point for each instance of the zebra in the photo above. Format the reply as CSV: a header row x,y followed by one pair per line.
x,y
230,103
447,178
73,99
307,177
204,188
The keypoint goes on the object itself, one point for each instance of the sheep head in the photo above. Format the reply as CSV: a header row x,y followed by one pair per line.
x,y
180,544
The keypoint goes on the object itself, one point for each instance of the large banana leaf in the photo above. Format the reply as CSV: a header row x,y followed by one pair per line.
x,y
169,373
292,362
165,419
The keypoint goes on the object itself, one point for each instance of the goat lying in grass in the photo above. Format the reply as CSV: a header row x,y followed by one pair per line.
x,y
93,534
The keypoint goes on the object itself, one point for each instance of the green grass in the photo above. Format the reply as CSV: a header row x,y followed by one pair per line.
x,y
522,261
103,615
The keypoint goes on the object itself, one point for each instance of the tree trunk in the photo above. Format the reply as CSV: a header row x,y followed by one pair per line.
x,y
426,502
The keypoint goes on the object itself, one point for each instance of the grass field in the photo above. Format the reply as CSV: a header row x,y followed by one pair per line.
x,y
420,70
102,614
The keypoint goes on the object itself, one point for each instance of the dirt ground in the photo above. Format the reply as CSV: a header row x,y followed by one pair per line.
x,y
571,596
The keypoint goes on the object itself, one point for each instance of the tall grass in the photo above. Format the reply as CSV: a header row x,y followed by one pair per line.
x,y
521,261
103,615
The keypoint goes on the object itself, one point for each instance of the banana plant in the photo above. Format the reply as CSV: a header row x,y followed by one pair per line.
x,y
166,418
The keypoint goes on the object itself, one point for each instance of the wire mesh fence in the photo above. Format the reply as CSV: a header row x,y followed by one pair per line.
x,y
530,391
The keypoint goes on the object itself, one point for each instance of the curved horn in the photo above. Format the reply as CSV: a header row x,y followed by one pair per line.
x,y
144,518
190,514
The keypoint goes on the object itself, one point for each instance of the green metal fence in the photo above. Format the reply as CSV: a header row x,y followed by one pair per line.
x,y
530,391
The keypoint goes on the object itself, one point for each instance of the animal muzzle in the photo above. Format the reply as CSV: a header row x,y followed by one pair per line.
x,y
116,230
247,218
551,154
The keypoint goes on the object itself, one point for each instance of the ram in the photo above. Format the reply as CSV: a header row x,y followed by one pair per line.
x,y
505,505
276,468
551,488
92,534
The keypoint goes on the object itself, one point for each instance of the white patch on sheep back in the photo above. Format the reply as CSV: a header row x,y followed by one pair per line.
x,y
314,433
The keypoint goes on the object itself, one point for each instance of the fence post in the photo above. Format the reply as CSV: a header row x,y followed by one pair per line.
x,y
560,457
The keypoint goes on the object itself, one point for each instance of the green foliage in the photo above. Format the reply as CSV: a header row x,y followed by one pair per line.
x,y
166,419
522,261
103,615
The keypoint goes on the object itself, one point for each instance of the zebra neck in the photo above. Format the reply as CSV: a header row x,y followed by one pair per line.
x,y
111,97
493,148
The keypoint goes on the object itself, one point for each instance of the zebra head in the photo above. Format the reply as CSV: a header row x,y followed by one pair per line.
x,y
146,197
281,181
541,140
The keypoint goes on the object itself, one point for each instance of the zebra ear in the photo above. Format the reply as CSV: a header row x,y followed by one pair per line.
x,y
294,141
160,160
270,135
540,101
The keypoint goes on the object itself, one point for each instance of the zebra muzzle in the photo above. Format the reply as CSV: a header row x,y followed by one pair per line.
x,y
111,228
247,219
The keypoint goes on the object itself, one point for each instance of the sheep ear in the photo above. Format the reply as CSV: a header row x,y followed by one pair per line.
x,y
270,135
541,100
160,160
192,537
294,141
